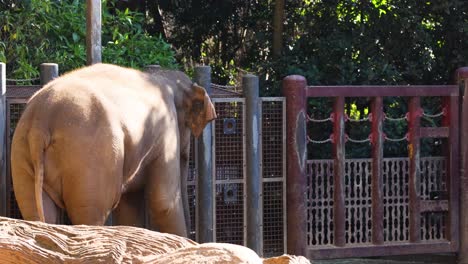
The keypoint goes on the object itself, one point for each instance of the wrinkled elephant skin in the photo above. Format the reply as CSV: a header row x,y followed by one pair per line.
x,y
104,137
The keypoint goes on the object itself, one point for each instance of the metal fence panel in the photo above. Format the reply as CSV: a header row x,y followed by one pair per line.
x,y
229,171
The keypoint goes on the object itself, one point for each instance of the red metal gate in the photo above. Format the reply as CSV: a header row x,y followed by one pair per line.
x,y
346,207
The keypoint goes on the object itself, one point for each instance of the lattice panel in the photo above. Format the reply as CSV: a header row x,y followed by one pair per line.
x,y
230,213
396,198
15,110
272,139
358,223
433,186
273,218
229,140
358,201
320,205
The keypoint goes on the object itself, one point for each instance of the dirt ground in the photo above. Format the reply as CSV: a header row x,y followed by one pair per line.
x,y
417,259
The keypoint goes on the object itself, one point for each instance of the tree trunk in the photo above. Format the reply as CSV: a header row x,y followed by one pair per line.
x,y
278,19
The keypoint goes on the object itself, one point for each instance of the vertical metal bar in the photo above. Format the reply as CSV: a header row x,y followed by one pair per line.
x,y
253,177
205,168
339,172
377,178
3,135
462,78
49,71
93,31
414,170
294,89
451,152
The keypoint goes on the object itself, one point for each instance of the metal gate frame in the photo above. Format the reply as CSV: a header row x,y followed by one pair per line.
x,y
242,180
279,111
296,91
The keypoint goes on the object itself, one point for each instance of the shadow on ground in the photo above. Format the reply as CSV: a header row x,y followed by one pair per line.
x,y
413,259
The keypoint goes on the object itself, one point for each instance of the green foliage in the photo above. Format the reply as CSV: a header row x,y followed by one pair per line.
x,y
38,31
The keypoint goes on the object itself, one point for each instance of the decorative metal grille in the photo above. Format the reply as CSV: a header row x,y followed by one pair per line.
x,y
273,172
358,200
358,195
396,199
433,185
320,202
229,167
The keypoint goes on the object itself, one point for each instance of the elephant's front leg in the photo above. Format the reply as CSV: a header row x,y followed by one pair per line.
x,y
164,198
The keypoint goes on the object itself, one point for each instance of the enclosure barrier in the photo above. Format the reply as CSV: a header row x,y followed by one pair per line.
x,y
236,185
462,80
379,206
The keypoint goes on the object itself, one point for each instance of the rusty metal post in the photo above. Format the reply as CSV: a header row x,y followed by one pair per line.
x,y
377,178
253,177
294,89
93,31
205,203
462,78
49,71
414,170
339,172
3,135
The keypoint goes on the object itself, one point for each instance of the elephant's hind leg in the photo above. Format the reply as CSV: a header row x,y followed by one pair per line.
x,y
24,193
163,192
131,210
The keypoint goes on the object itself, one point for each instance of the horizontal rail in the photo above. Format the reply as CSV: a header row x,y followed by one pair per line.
x,y
370,250
434,132
382,90
434,206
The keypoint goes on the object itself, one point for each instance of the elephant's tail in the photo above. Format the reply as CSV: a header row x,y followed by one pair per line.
x,y
38,142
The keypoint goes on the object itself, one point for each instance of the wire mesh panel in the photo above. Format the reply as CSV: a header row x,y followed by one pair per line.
x,y
273,172
14,110
192,189
229,171
358,200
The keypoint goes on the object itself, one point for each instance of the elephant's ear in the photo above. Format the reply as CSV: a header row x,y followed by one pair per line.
x,y
201,110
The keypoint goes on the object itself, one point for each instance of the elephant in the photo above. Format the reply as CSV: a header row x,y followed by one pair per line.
x,y
103,137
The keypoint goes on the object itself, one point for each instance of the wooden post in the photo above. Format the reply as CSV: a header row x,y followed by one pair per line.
x,y
462,78
294,89
451,150
253,177
93,31
377,178
339,172
49,71
205,203
3,135
414,170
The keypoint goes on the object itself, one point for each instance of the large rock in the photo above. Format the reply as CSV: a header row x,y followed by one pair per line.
x,y
36,242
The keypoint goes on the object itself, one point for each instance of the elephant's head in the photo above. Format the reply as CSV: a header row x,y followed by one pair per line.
x,y
199,108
